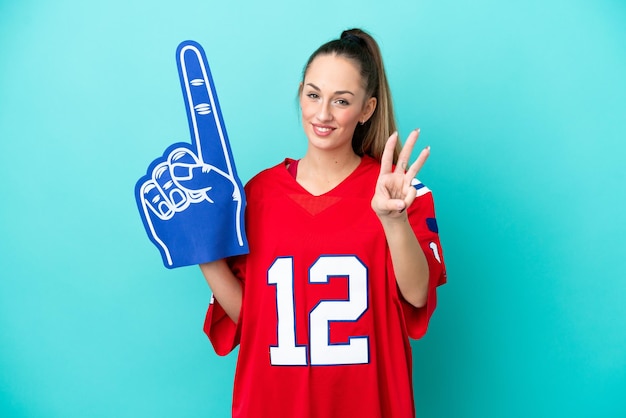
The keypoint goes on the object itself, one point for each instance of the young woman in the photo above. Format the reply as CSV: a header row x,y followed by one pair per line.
x,y
344,257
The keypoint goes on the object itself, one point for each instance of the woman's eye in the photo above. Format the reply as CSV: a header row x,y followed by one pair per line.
x,y
342,102
312,95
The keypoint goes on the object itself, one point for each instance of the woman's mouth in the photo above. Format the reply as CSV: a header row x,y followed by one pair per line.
x,y
322,130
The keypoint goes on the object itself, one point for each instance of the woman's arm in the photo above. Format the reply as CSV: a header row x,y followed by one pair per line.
x,y
394,194
408,260
225,286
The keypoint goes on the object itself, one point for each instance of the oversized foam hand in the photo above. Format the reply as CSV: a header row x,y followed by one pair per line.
x,y
191,200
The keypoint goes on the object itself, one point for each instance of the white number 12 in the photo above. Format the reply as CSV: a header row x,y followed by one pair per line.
x,y
322,352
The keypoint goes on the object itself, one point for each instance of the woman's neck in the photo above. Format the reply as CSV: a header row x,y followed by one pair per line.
x,y
319,173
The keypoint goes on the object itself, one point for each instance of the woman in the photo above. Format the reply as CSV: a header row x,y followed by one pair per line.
x,y
344,256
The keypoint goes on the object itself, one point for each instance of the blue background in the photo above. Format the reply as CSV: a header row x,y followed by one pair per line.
x,y
523,103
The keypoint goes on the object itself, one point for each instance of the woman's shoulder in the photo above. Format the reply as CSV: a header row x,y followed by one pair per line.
x,y
369,168
270,176
370,163
271,172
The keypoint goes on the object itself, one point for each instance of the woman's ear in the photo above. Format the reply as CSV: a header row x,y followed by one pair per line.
x,y
368,109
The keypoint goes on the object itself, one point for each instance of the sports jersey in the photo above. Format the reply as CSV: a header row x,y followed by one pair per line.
x,y
323,330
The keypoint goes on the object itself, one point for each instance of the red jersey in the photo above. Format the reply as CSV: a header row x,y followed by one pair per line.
x,y
323,329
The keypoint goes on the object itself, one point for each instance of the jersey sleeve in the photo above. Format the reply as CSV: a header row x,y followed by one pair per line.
x,y
424,224
223,333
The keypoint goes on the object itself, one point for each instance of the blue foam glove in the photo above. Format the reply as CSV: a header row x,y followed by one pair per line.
x,y
191,200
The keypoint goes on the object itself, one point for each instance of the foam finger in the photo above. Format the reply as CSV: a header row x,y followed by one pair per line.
x,y
153,200
162,177
203,110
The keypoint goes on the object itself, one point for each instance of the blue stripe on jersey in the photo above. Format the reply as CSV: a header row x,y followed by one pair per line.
x,y
419,186
432,225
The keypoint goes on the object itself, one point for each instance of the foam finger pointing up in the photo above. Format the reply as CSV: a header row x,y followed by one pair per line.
x,y
204,115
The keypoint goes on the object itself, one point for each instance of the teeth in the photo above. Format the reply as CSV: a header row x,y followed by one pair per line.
x,y
323,129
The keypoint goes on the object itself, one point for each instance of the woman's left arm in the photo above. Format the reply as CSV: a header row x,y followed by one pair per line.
x,y
394,194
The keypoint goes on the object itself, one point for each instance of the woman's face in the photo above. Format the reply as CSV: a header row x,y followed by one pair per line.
x,y
333,101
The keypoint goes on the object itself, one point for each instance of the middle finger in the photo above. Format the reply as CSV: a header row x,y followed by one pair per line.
x,y
407,149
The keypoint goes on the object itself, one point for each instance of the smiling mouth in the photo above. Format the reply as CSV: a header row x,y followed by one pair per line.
x,y
322,130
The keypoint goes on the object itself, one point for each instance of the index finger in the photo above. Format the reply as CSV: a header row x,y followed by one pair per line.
x,y
386,161
204,115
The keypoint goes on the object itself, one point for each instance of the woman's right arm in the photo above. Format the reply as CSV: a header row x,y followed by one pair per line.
x,y
225,286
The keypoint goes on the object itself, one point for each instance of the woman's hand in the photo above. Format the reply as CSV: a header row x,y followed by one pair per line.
x,y
394,192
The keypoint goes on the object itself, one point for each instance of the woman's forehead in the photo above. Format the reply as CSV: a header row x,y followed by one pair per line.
x,y
334,71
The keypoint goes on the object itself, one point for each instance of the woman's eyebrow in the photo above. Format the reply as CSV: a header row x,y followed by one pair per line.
x,y
313,86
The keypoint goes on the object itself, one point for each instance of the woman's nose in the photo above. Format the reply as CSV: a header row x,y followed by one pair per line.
x,y
324,113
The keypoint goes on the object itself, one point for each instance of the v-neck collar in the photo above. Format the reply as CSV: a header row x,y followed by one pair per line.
x,y
365,160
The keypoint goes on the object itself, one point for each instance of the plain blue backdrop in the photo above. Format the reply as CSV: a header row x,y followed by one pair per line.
x,y
522,102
